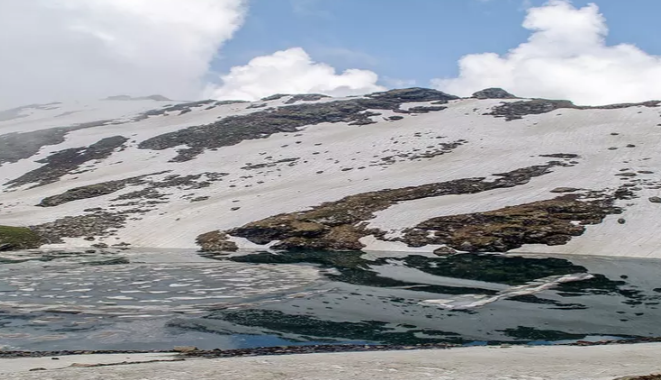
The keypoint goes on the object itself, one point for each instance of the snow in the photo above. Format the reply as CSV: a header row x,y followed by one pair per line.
x,y
471,363
494,146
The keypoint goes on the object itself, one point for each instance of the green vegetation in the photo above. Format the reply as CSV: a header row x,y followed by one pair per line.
x,y
15,238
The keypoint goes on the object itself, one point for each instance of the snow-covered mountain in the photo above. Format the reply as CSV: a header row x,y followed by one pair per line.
x,y
411,169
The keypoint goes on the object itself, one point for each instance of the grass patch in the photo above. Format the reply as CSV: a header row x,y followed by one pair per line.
x,y
16,238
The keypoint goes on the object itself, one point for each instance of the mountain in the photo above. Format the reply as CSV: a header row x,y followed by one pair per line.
x,y
407,170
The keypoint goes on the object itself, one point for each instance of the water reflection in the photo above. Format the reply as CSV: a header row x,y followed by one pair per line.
x,y
157,300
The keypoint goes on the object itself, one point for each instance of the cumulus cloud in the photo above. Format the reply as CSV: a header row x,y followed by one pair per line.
x,y
78,49
566,57
291,71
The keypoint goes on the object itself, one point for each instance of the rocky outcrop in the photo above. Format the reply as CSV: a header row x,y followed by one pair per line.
x,y
257,125
184,108
97,223
84,192
235,129
306,98
216,241
516,110
550,222
423,109
18,146
17,238
493,93
414,94
66,161
341,224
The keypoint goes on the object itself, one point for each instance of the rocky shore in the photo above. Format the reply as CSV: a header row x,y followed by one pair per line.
x,y
298,350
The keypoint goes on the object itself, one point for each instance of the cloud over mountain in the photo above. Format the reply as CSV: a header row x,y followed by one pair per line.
x,y
566,57
291,71
72,49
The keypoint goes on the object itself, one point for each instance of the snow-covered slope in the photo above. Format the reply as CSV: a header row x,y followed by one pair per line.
x,y
156,173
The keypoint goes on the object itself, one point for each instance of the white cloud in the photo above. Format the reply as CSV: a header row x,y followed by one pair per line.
x,y
73,49
291,71
566,57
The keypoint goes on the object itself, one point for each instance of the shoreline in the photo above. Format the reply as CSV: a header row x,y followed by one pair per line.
x,y
192,352
601,362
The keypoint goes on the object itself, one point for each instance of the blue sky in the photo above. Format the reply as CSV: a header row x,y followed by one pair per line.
x,y
413,39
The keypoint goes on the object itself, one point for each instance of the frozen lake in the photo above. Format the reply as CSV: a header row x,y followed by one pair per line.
x,y
160,299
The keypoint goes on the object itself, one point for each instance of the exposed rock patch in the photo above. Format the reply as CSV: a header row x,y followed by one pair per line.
x,y
424,109
274,97
216,241
493,93
306,98
83,192
92,191
516,110
18,146
250,166
97,223
550,222
339,225
65,161
234,129
184,108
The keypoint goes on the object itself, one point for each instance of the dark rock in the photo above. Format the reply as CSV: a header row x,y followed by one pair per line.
x,y
493,93
17,146
68,160
306,98
257,125
340,225
414,94
655,199
97,224
425,109
546,222
395,118
561,155
621,221
200,199
185,349
516,110
444,251
85,192
565,190
274,97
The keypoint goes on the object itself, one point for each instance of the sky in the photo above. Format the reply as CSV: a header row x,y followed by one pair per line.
x,y
593,53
